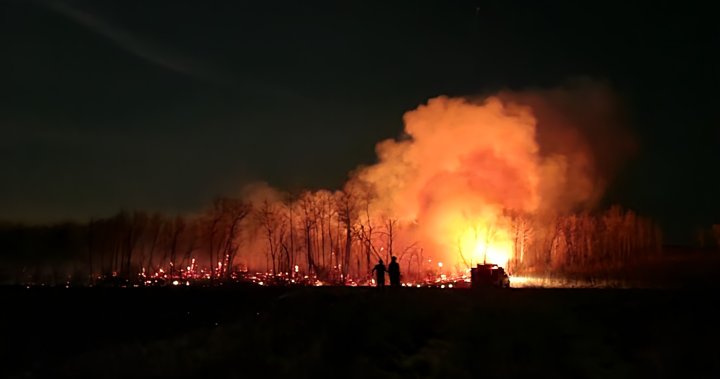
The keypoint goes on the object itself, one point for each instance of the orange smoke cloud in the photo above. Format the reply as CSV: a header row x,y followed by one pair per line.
x,y
465,166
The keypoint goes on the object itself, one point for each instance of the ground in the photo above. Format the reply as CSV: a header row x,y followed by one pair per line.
x,y
359,332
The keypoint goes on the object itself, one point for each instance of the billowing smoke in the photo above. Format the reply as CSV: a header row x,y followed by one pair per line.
x,y
465,167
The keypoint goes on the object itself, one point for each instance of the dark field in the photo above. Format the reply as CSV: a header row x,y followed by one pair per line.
x,y
358,333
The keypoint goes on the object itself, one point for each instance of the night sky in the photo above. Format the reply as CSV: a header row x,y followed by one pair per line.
x,y
161,105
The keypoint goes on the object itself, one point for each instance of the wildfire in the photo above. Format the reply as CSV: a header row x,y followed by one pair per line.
x,y
465,165
479,244
468,180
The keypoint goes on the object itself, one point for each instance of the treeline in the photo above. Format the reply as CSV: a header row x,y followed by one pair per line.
x,y
566,243
316,233
333,235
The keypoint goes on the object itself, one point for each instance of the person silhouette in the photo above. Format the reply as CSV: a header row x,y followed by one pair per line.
x,y
394,272
379,271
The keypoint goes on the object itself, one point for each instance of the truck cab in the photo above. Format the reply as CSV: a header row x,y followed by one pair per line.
x,y
489,276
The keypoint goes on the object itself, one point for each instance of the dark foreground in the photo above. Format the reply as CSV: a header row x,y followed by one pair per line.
x,y
358,333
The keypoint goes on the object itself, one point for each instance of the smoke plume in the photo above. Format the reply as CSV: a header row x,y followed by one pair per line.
x,y
465,167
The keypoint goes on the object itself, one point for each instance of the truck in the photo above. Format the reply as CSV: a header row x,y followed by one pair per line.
x,y
488,275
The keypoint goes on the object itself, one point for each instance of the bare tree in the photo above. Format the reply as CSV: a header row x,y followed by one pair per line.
x,y
236,211
346,205
366,230
154,234
309,220
135,228
271,221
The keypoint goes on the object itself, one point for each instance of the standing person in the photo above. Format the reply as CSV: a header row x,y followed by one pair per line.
x,y
394,272
379,270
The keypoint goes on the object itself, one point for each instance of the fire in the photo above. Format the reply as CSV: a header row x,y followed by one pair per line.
x,y
465,166
481,243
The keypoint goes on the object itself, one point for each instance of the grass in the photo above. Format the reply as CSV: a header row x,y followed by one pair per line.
x,y
367,333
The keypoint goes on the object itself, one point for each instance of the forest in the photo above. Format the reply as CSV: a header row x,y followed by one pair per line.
x,y
334,236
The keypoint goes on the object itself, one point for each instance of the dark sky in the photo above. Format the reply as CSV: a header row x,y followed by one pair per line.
x,y
161,105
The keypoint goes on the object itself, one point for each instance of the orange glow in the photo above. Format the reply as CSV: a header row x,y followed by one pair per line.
x,y
466,164
463,169
483,243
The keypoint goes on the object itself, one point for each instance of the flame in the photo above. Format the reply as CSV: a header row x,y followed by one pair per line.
x,y
462,169
480,242
463,166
